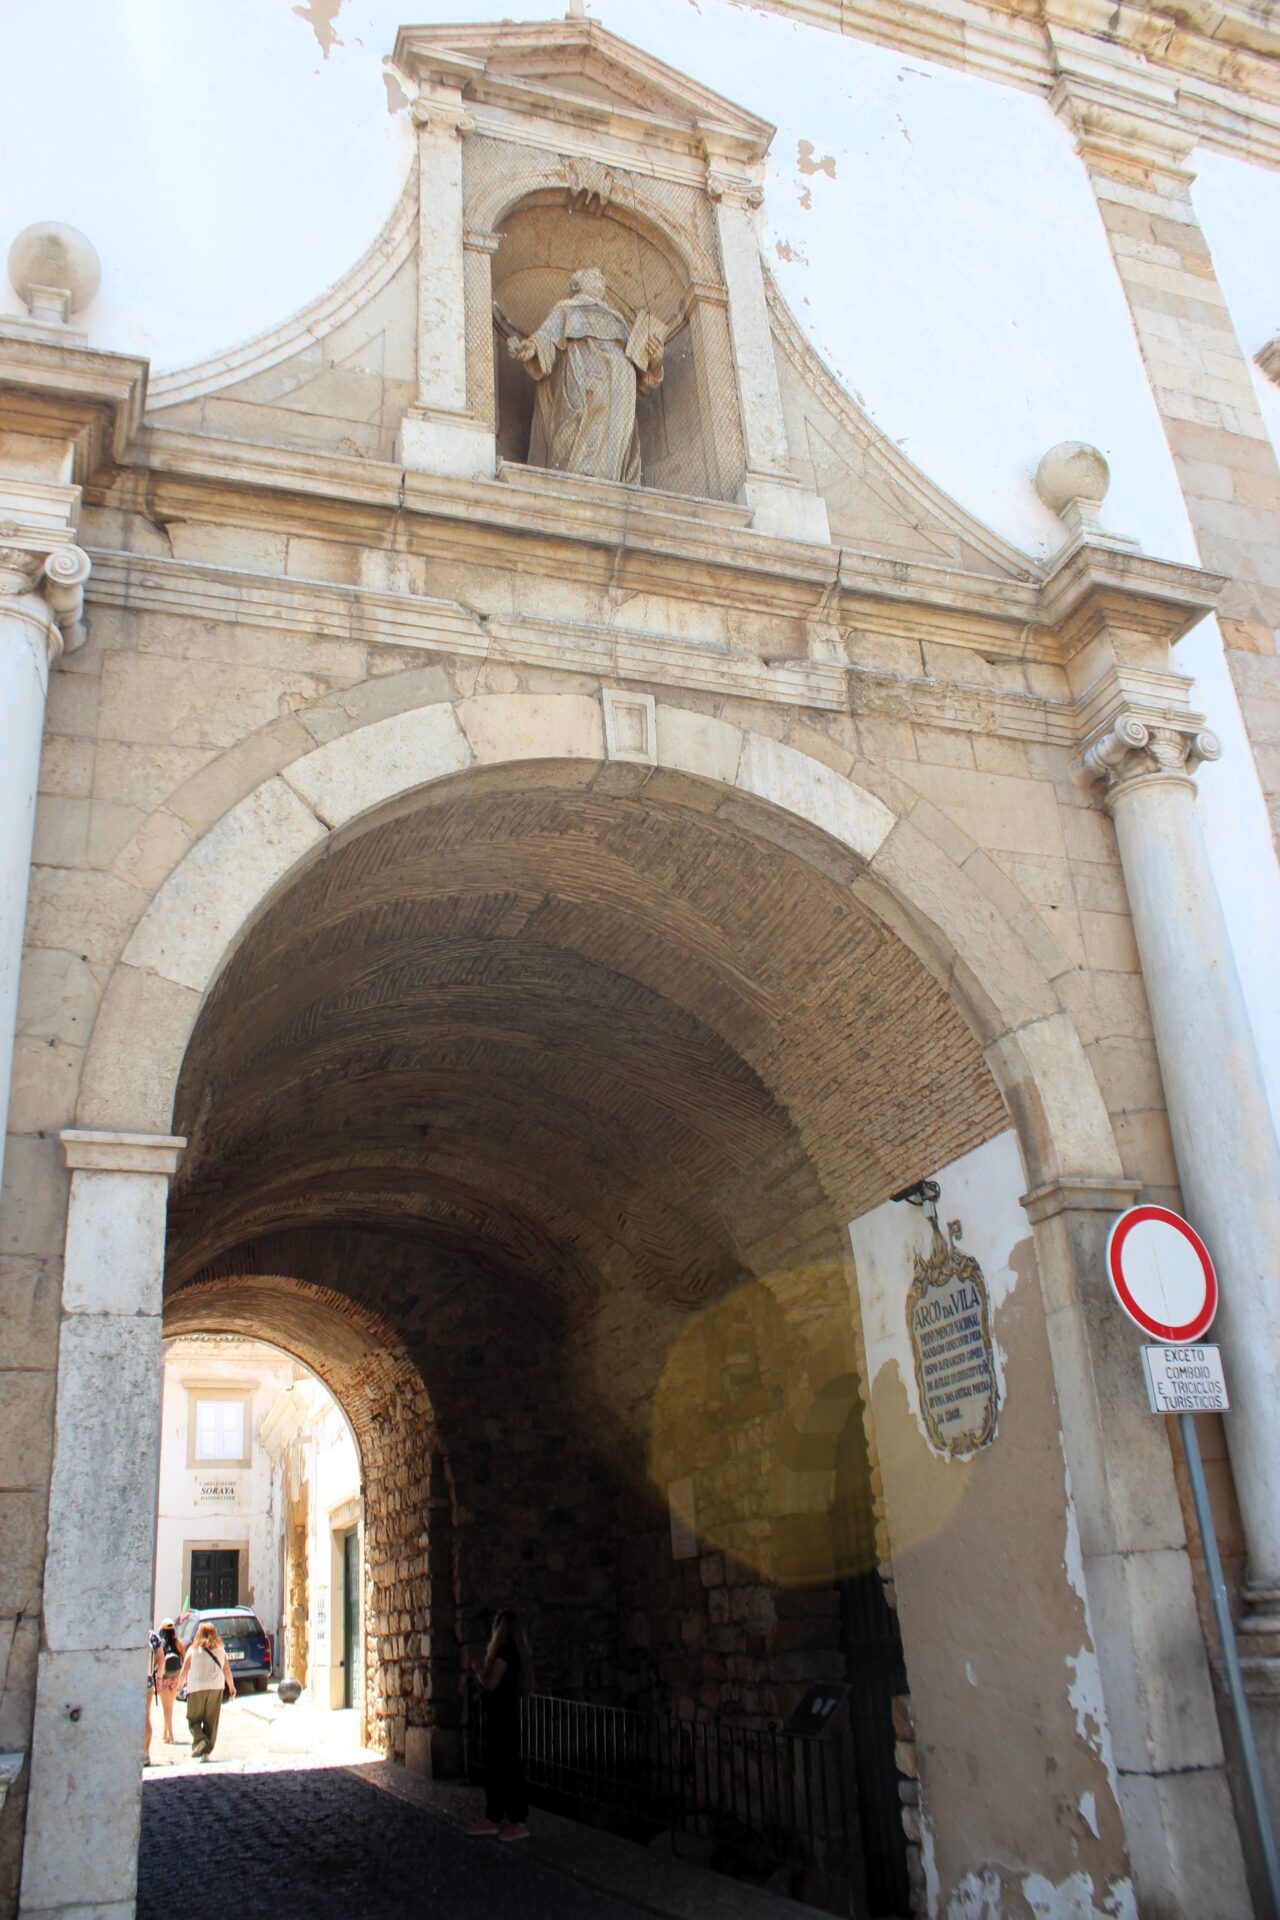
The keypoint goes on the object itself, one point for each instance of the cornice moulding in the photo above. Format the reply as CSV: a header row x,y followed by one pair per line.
x,y
92,400
1219,59
689,549
529,67
315,610
1098,586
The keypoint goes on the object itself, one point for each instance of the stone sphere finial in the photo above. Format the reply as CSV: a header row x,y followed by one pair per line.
x,y
1071,471
54,269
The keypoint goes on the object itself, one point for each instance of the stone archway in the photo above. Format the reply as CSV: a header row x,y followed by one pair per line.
x,y
895,863
410,1697
842,944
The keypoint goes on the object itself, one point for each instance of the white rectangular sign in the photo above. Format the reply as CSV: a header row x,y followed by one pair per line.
x,y
216,1493
1185,1380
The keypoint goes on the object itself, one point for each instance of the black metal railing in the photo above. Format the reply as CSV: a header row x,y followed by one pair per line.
x,y
759,1799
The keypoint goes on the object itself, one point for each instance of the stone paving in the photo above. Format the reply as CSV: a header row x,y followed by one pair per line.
x,y
293,1819
320,1842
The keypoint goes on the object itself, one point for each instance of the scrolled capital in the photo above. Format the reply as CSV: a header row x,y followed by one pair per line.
x,y
66,571
1143,748
732,189
445,118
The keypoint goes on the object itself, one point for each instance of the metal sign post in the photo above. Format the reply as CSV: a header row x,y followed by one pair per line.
x,y
1231,1660
1163,1277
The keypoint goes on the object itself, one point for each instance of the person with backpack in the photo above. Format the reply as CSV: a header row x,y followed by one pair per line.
x,y
205,1672
166,1669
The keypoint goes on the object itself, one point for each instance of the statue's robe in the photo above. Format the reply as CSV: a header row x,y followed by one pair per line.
x,y
585,414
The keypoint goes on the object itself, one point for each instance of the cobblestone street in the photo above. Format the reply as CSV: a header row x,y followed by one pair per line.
x,y
294,1820
323,1843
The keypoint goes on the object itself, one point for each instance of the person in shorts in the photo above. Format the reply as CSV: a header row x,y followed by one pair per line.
x,y
166,1672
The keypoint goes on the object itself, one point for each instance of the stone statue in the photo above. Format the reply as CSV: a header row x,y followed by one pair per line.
x,y
589,368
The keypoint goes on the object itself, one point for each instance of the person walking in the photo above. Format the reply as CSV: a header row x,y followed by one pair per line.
x,y
166,1671
506,1674
204,1672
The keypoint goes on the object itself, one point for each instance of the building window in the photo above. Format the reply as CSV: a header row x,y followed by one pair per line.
x,y
219,1430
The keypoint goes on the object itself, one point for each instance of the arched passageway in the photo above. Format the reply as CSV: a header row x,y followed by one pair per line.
x,y
530,1116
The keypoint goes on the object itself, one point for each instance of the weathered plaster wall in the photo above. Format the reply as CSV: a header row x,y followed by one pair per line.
x,y
977,1626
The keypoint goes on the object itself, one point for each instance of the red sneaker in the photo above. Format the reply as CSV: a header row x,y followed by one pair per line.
x,y
518,1831
481,1826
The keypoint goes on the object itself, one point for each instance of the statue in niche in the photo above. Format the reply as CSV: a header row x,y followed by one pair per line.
x,y
590,367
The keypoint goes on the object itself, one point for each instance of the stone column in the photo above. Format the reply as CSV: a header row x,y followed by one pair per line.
x,y
40,593
1223,1136
440,434
781,505
85,1801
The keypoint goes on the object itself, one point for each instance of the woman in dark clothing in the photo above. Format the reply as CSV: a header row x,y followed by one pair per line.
x,y
506,1674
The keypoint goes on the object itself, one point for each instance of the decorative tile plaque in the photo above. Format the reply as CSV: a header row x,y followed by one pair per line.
x,y
949,1319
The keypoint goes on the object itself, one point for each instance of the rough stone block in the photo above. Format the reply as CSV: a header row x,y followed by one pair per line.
x,y
72,1863
359,770
505,727
102,1499
34,1202
22,1517
131,1070
26,1429
778,774
57,996
115,1243
201,907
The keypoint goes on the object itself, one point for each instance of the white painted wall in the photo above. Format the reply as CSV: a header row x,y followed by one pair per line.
x,y
954,272
250,1516
312,1429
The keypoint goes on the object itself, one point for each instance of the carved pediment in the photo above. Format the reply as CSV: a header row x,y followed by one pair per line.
x,y
577,72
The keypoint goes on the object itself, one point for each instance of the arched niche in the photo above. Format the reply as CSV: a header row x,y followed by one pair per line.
x,y
690,435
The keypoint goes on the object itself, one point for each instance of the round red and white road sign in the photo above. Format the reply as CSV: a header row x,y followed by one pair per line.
x,y
1162,1275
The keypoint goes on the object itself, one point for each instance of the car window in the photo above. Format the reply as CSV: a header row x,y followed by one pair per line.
x,y
239,1626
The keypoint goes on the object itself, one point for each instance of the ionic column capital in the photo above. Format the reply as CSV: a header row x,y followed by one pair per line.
x,y
45,586
447,119
733,189
1134,752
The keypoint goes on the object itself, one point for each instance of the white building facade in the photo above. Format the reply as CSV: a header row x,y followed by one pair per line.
x,y
314,1473
217,1533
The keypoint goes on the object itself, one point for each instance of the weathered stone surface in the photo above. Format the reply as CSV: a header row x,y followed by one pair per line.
x,y
101,1509
388,758
70,1862
221,882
